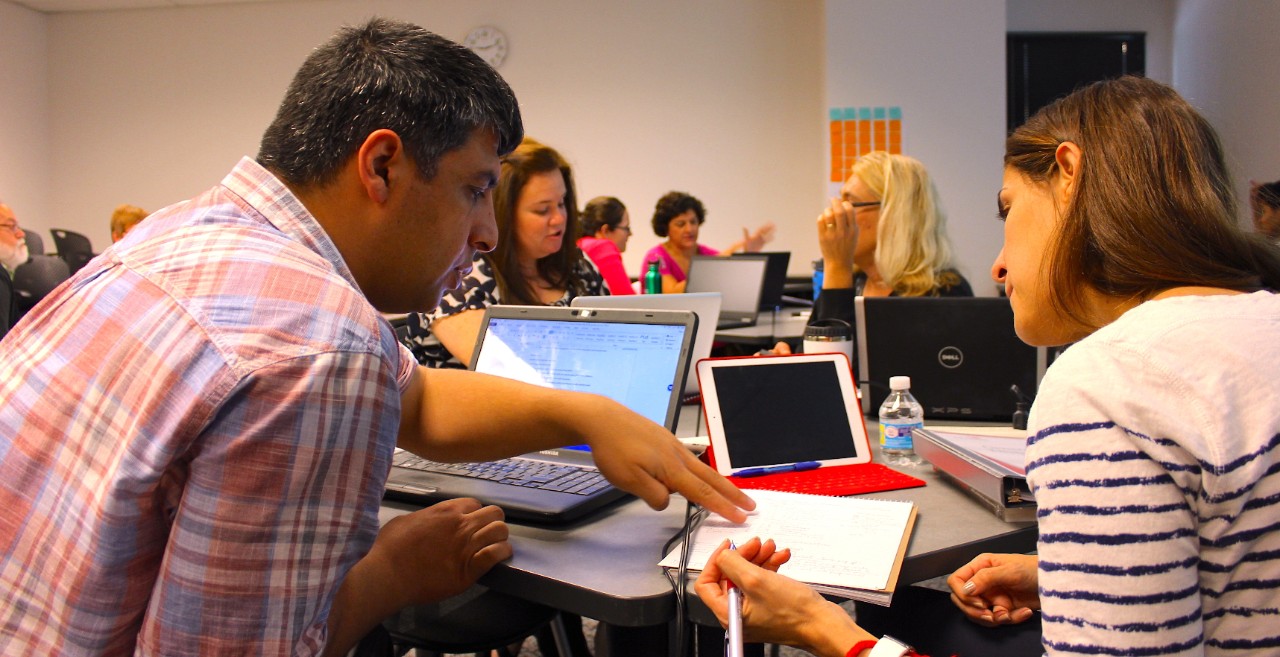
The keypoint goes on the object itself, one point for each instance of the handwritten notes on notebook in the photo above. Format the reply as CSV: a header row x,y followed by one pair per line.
x,y
850,547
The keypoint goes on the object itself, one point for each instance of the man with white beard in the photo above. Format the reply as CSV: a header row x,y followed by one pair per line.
x,y
13,252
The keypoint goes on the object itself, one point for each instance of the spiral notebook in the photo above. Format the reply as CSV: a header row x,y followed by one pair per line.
x,y
849,547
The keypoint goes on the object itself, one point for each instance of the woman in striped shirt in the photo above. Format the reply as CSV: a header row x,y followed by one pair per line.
x,y
1152,447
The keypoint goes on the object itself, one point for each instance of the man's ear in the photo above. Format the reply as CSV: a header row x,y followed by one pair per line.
x,y
376,159
1067,157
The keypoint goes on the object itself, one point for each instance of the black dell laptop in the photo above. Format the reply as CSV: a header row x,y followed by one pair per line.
x,y
961,353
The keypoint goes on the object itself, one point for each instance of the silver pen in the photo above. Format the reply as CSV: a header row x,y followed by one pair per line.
x,y
733,638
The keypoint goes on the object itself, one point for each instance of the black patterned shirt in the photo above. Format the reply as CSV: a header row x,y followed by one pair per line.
x,y
479,291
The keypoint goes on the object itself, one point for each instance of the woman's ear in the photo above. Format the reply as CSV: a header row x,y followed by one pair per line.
x,y
1067,158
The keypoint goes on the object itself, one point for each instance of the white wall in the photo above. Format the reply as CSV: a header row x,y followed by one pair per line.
x,y
720,98
24,120
1219,64
943,64
726,99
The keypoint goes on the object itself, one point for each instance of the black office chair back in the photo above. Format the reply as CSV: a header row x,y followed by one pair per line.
x,y
36,278
35,243
72,247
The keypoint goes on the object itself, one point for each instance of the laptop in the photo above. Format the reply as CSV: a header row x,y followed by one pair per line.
x,y
775,276
638,357
739,280
706,305
961,353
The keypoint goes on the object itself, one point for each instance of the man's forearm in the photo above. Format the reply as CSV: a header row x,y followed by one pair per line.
x,y
465,416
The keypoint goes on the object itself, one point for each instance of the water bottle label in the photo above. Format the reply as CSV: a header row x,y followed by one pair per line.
x,y
897,435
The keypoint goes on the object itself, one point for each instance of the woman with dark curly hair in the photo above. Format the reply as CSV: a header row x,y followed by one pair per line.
x,y
536,262
678,217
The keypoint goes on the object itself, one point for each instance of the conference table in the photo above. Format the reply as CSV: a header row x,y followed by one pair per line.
x,y
605,566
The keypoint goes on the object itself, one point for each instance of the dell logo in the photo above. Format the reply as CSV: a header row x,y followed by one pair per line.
x,y
950,357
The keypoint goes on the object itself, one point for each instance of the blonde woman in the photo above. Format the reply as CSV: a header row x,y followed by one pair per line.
x,y
885,235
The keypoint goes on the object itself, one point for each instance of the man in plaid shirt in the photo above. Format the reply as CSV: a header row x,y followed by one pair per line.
x,y
196,429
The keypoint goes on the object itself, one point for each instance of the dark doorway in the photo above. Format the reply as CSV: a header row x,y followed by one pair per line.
x,y
1044,66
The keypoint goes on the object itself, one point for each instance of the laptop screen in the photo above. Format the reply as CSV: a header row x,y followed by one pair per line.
x,y
739,280
633,364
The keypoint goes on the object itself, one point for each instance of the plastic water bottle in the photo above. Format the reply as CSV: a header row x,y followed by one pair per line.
x,y
899,414
653,279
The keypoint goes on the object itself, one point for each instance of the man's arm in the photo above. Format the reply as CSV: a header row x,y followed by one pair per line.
x,y
454,415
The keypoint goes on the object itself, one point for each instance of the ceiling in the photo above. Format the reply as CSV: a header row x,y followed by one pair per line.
x,y
59,6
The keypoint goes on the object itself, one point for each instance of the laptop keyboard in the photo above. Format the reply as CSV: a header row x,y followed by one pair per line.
x,y
526,473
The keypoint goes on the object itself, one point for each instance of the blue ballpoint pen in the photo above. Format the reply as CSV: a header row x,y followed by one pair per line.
x,y
733,637
794,467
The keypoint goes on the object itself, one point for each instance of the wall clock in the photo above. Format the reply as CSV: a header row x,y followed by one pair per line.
x,y
488,42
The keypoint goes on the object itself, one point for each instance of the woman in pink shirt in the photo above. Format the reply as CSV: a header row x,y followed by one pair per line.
x,y
678,217
606,227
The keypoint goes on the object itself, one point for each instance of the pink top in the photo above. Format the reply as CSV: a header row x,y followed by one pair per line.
x,y
608,260
667,265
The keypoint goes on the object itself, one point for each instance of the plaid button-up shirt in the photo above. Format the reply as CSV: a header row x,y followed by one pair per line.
x,y
195,432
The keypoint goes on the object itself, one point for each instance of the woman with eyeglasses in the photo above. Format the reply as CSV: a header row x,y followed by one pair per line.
x,y
679,217
606,227
884,236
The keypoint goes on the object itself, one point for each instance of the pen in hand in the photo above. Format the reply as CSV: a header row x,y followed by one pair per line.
x,y
733,637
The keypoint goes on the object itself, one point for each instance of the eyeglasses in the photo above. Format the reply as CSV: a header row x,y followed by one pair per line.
x,y
626,228
12,228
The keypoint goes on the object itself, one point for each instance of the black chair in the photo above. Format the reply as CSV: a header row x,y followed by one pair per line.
x,y
35,243
36,278
72,247
487,622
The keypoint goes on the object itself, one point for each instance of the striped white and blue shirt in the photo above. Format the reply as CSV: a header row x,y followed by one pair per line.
x,y
1153,457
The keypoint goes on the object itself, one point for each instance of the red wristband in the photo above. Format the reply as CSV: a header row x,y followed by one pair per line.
x,y
859,647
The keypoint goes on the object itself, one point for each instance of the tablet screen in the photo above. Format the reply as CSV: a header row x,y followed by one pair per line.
x,y
783,412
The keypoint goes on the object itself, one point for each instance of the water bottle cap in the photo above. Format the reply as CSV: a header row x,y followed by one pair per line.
x,y
899,382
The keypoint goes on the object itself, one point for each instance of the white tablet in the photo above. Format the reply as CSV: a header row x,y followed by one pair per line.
x,y
779,411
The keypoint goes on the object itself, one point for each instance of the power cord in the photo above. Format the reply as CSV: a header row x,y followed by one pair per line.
x,y
693,517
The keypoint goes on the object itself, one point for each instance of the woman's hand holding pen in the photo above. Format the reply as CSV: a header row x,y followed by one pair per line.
x,y
775,609
997,589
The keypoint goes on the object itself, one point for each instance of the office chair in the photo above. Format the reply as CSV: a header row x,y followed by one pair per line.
x,y
35,243
487,622
36,278
72,247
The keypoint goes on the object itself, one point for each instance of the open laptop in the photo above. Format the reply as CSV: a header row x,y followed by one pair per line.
x,y
775,276
961,353
706,305
638,357
739,280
